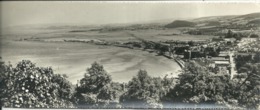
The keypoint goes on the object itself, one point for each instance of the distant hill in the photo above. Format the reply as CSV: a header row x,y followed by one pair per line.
x,y
218,25
213,18
218,20
256,22
250,16
213,23
180,23
242,22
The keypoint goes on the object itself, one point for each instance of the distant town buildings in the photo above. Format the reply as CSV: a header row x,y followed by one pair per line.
x,y
221,52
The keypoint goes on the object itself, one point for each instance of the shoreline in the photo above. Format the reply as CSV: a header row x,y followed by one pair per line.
x,y
85,54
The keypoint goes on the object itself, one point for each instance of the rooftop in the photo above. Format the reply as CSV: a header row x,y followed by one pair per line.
x,y
222,62
223,54
219,59
230,39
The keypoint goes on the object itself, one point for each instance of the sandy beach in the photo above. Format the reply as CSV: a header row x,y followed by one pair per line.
x,y
73,59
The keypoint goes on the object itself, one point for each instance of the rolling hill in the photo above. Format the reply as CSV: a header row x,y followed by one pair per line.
x,y
180,23
231,20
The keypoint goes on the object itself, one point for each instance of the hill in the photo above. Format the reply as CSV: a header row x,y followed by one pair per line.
x,y
180,23
250,16
234,20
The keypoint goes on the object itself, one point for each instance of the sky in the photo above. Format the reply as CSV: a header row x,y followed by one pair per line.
x,y
88,13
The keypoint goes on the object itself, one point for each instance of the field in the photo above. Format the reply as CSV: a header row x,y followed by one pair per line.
x,y
74,58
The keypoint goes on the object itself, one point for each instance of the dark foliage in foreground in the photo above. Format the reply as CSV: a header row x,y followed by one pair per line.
x,y
145,91
28,86
96,89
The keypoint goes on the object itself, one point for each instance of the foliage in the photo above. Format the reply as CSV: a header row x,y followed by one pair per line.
x,y
198,85
148,45
254,36
237,36
249,86
144,91
96,89
95,79
242,60
163,49
229,34
29,86
110,94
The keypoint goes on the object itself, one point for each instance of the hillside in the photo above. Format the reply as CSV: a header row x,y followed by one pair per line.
x,y
218,25
256,22
252,18
180,23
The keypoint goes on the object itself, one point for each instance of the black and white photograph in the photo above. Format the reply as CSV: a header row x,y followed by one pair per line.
x,y
129,55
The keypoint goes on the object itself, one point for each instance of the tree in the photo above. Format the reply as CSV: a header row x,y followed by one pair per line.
x,y
29,86
241,60
191,43
94,81
198,85
162,49
137,44
64,88
4,78
229,34
237,36
249,88
143,92
148,45
254,36
110,94
257,57
193,74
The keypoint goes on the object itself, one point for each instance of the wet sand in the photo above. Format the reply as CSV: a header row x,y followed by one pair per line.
x,y
74,58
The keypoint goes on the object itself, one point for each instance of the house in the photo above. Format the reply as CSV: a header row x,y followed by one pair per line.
x,y
224,54
229,39
219,59
248,39
221,63
221,67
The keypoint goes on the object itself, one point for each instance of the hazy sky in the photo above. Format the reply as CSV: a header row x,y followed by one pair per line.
x,y
47,12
